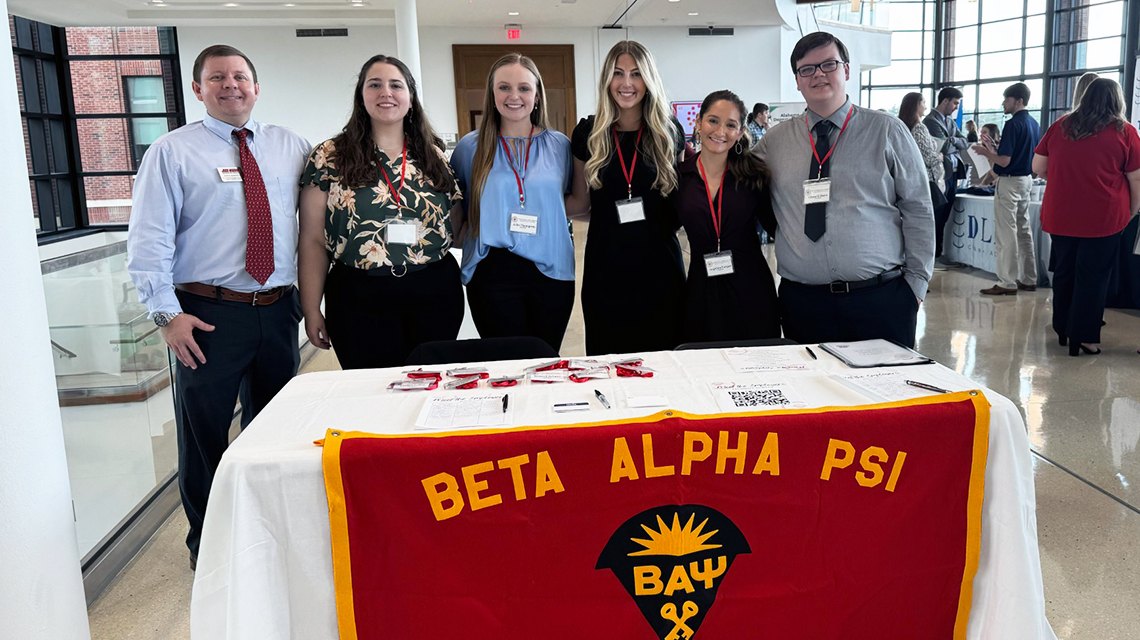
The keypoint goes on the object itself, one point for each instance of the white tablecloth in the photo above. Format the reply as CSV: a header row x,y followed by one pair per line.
x,y
265,566
970,235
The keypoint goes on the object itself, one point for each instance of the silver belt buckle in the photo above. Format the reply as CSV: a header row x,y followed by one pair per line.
x,y
253,301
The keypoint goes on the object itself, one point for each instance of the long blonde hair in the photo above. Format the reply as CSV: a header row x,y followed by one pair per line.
x,y
488,141
1081,87
660,143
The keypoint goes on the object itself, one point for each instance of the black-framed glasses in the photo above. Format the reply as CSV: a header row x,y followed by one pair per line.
x,y
827,66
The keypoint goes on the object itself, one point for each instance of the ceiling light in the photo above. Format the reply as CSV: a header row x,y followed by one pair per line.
x,y
512,13
230,4
694,13
674,0
290,5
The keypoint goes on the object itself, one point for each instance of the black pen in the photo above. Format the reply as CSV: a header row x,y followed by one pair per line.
x,y
602,399
505,396
811,353
928,387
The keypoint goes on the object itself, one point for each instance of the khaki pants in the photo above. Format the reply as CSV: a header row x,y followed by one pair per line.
x,y
1013,239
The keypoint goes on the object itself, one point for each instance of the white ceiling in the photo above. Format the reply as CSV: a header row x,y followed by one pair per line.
x,y
328,13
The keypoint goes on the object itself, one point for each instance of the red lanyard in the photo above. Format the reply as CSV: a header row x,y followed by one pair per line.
x,y
403,166
526,163
628,175
833,145
719,199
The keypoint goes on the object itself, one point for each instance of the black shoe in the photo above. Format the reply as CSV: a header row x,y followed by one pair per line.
x,y
193,561
1062,339
1027,287
1077,348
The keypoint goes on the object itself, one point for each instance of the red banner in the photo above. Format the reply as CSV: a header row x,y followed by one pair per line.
x,y
856,522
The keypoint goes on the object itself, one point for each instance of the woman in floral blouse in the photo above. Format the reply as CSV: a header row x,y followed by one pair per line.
x,y
377,201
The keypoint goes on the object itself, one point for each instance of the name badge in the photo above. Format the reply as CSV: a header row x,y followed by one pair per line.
x,y
524,224
400,232
718,264
229,174
817,191
630,211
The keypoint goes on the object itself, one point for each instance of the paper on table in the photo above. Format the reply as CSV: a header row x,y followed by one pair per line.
x,y
981,163
456,412
756,396
641,402
880,386
748,360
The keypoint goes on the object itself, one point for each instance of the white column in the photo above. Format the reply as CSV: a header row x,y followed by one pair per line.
x,y
408,40
41,589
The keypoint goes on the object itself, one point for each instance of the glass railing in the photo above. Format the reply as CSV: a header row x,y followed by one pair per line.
x,y
869,14
113,379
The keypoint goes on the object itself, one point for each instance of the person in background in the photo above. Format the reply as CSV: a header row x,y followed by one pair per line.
x,y
212,250
991,137
942,125
518,254
730,294
1013,165
1092,145
1082,85
971,131
911,110
855,262
625,160
376,201
758,122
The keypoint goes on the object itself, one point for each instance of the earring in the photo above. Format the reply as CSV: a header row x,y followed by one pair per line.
x,y
739,148
697,137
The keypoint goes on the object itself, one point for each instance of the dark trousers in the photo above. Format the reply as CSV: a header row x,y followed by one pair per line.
x,y
943,213
375,321
888,310
1082,268
509,296
251,353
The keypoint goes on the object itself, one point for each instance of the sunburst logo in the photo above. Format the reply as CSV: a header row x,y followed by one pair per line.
x,y
673,571
675,540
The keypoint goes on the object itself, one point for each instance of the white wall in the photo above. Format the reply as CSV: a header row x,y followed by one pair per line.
x,y
307,83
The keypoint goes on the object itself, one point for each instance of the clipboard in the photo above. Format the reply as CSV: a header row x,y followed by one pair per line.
x,y
865,354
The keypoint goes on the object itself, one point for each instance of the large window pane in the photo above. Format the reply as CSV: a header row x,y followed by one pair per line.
x,y
1035,31
906,44
1001,36
993,10
906,16
98,85
1006,63
1103,53
961,42
963,69
108,199
961,13
1034,61
1105,20
907,72
1035,7
131,41
105,144
888,99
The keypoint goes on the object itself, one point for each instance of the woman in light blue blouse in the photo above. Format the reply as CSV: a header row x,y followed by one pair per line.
x,y
518,254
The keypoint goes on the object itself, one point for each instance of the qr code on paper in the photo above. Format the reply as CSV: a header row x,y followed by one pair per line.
x,y
759,398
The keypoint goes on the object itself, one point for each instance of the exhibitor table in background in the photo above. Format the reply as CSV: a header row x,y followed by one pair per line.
x,y
265,569
970,237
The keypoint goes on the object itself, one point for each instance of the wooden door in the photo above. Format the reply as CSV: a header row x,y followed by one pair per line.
x,y
555,62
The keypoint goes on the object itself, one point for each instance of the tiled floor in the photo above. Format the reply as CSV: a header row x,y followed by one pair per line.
x,y
1083,416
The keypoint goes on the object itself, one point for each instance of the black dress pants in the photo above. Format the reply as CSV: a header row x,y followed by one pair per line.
x,y
811,314
251,353
943,213
1082,268
375,321
509,297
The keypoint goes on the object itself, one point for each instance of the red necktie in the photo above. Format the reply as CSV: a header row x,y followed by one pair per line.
x,y
259,238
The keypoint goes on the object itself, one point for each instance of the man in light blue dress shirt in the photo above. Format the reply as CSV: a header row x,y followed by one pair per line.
x,y
186,252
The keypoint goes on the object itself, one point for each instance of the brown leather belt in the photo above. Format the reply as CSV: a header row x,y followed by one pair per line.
x,y
256,298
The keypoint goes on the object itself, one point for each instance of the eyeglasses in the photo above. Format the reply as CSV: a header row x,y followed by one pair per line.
x,y
827,66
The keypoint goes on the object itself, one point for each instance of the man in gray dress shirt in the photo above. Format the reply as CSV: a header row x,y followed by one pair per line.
x,y
855,246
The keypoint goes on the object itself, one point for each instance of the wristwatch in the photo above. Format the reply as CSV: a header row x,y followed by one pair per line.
x,y
163,319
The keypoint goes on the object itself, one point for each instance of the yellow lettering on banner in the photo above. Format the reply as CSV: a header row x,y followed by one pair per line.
x,y
895,471
724,452
769,460
546,476
474,486
515,465
679,581
692,453
876,476
647,581
709,573
623,465
440,488
833,461
647,450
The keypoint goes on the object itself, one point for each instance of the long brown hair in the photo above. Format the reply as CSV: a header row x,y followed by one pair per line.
x,y
1101,106
355,156
748,169
908,110
488,140
655,116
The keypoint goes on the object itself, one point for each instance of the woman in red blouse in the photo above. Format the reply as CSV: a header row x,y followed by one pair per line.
x,y
1092,158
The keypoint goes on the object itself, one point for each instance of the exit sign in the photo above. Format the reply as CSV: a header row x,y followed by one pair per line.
x,y
514,34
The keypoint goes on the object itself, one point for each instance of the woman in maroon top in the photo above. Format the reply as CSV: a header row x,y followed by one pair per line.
x,y
1092,160
723,191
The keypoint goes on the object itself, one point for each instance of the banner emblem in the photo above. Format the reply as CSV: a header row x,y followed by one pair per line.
x,y
671,560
